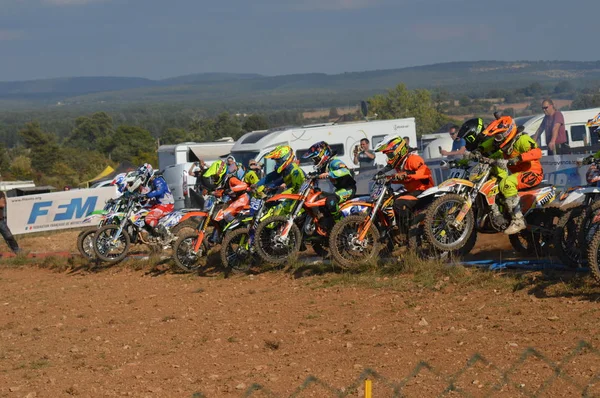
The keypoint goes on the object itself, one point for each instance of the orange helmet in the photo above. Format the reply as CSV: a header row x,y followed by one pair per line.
x,y
395,148
503,130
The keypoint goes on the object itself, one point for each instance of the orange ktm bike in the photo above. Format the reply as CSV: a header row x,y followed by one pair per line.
x,y
465,209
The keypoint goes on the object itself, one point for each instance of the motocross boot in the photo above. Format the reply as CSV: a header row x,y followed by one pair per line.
x,y
518,221
497,217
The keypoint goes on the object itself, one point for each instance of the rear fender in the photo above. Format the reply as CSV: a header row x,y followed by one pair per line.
x,y
355,207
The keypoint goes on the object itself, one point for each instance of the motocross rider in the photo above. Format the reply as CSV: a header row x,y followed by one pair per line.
x,y
287,173
411,171
518,153
328,166
160,196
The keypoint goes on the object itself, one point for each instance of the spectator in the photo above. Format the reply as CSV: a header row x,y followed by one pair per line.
x,y
234,168
554,127
67,188
4,230
407,140
458,144
198,193
363,156
254,174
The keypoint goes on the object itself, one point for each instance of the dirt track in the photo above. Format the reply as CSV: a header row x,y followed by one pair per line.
x,y
152,332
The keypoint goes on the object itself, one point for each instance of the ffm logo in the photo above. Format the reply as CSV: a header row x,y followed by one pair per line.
x,y
76,208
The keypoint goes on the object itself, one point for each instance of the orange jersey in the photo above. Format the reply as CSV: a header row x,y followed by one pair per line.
x,y
419,176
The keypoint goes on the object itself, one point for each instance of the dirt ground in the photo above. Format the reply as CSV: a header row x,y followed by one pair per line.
x,y
149,331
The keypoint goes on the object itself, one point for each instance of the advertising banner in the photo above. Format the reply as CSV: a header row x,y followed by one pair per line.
x,y
53,211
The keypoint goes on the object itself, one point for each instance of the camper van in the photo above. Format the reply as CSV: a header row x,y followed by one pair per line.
x,y
186,152
578,135
343,138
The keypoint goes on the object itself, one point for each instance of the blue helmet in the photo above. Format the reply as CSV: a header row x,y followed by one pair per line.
x,y
321,154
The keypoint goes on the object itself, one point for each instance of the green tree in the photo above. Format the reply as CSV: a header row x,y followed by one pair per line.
x,y
174,136
130,143
92,132
563,87
255,122
44,148
586,101
401,103
21,168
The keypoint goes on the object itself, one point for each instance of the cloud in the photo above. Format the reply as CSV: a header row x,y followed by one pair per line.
x,y
70,2
9,35
337,5
447,32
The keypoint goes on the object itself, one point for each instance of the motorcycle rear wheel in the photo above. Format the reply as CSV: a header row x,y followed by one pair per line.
x,y
184,255
267,246
348,253
85,243
107,250
566,238
439,233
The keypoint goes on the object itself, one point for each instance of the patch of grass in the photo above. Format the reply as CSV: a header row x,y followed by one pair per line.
x,y
232,339
169,318
313,316
55,263
18,261
39,364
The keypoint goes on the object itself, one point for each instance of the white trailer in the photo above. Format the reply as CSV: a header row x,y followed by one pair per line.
x,y
185,152
342,138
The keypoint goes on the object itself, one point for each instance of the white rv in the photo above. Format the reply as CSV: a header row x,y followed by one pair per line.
x,y
342,138
185,152
578,135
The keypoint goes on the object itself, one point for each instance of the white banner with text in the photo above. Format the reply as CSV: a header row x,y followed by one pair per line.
x,y
57,210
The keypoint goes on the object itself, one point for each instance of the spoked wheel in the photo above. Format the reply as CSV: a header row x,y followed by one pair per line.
x,y
271,246
85,243
593,256
236,254
588,224
438,227
108,246
566,238
523,243
424,249
185,255
347,249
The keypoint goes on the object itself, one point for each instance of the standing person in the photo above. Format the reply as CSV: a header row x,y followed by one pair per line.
x,y
407,140
199,191
554,127
4,230
363,156
458,144
234,168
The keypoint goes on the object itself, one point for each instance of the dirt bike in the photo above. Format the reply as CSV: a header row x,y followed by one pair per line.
x,y
190,251
85,239
112,241
465,209
581,218
360,237
280,238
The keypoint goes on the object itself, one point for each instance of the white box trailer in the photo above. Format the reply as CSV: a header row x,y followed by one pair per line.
x,y
341,137
185,152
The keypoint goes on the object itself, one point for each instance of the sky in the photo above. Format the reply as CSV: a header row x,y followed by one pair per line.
x,y
166,38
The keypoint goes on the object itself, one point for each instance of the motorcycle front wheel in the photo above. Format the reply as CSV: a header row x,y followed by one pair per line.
x,y
184,255
347,251
236,254
108,246
438,228
271,247
593,256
